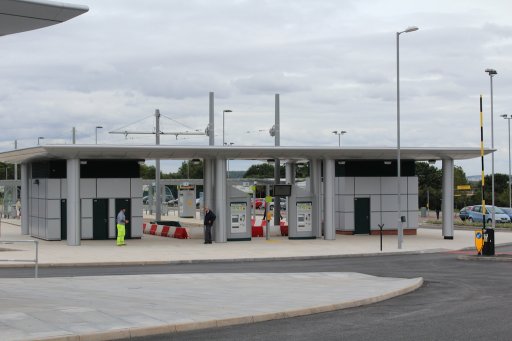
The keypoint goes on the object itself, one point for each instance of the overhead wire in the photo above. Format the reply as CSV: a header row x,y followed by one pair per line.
x,y
129,124
176,121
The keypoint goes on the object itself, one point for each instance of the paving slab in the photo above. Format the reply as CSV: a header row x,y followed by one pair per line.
x,y
110,307
162,250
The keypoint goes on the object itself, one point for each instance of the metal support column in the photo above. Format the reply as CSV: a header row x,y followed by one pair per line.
x,y
329,210
211,124
220,227
316,182
158,190
16,173
277,164
73,202
290,172
24,199
208,166
447,198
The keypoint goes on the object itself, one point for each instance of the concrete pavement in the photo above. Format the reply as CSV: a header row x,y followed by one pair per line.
x,y
159,250
110,307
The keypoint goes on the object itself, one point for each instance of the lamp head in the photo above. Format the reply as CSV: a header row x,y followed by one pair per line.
x,y
227,110
411,29
491,72
335,132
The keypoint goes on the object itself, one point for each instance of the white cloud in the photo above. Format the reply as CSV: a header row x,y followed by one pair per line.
x,y
334,64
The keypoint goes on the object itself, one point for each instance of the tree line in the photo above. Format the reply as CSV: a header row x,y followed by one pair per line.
x,y
430,184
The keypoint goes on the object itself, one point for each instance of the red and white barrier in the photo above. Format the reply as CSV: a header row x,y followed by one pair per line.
x,y
166,231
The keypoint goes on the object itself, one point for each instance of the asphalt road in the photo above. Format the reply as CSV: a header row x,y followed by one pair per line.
x,y
460,300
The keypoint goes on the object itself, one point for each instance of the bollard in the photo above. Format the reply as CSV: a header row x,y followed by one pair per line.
x,y
488,247
380,227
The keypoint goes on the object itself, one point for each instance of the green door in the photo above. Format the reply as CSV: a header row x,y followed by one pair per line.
x,y
100,219
125,203
361,215
63,220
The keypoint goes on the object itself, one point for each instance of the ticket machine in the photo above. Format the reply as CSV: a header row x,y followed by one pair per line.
x,y
302,208
238,213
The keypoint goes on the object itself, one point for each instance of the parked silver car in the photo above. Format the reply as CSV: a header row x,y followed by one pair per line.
x,y
477,215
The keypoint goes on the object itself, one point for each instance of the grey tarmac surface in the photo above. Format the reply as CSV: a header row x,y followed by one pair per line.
x,y
109,307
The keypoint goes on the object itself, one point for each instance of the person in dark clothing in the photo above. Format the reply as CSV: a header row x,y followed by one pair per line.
x,y
209,218
437,212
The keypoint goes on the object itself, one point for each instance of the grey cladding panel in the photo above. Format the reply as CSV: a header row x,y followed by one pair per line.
x,y
369,185
114,188
86,208
53,191
88,188
53,209
86,228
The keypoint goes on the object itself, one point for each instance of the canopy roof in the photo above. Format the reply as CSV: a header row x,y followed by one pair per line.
x,y
163,152
25,15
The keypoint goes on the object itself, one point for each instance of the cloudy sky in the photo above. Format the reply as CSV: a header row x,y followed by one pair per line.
x,y
333,63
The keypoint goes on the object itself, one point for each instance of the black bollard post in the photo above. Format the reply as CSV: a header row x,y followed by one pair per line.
x,y
381,226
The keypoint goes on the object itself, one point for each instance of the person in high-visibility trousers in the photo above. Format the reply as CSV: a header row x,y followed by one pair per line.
x,y
121,227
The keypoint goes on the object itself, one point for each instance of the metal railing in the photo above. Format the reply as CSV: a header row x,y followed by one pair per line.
x,y
35,260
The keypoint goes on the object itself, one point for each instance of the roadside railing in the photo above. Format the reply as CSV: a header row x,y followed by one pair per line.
x,y
35,260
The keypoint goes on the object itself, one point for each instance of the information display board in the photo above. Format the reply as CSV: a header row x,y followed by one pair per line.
x,y
238,212
304,216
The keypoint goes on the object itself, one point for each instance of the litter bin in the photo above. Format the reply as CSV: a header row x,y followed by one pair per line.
x,y
423,212
488,248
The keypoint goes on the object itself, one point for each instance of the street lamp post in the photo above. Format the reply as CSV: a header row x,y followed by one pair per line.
x,y
508,118
224,124
96,133
227,161
400,227
339,133
492,73
39,139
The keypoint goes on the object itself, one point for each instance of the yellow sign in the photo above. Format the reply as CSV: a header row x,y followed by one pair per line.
x,y
464,187
268,199
479,241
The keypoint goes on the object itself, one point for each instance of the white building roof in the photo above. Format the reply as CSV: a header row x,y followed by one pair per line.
x,y
25,15
239,152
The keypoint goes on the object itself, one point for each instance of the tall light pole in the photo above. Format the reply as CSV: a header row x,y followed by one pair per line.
x,y
39,139
339,133
492,73
508,118
224,123
96,133
400,227
227,161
